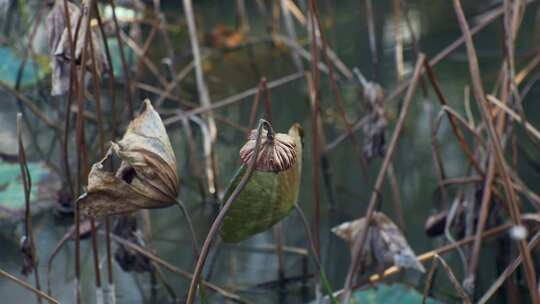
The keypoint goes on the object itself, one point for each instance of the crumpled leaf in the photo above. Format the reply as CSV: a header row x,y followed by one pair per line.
x,y
128,259
267,198
146,177
56,25
59,46
375,127
385,245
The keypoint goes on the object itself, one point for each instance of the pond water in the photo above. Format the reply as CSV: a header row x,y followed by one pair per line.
x,y
247,268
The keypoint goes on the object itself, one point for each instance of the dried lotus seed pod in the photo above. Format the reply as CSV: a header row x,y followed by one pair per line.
x,y
277,151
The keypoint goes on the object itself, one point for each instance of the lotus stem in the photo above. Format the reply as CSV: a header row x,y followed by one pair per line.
x,y
219,219
27,182
194,243
322,275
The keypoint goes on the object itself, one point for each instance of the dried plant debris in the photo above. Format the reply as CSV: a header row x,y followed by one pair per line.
x,y
29,258
375,127
385,245
267,198
146,177
435,224
277,151
59,43
130,260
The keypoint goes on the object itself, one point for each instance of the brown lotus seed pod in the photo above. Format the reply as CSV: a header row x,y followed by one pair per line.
x,y
276,153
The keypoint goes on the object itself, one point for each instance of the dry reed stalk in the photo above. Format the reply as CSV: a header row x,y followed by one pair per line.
x,y
316,35
502,168
227,294
112,94
360,240
31,106
22,283
28,230
453,123
204,96
143,58
371,34
125,68
535,240
291,33
313,85
398,50
238,97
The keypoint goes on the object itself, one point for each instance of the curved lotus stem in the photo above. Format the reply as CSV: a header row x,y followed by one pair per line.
x,y
219,219
194,243
322,275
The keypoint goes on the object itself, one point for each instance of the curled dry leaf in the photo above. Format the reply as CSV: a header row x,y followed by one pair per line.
x,y
146,177
56,25
385,245
267,198
375,127
59,43
277,151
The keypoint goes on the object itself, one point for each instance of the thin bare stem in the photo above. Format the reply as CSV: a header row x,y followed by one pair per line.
x,y
194,243
204,96
314,252
22,283
371,33
462,294
360,240
235,98
502,168
170,267
27,183
316,35
508,271
123,60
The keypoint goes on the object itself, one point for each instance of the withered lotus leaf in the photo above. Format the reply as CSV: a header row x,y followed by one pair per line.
x,y
59,43
375,127
385,245
146,177
56,26
268,197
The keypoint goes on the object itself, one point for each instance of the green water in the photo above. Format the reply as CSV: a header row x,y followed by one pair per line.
x,y
244,270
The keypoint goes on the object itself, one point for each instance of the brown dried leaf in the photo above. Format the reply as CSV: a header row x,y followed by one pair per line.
x,y
56,26
385,245
146,177
375,127
59,46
